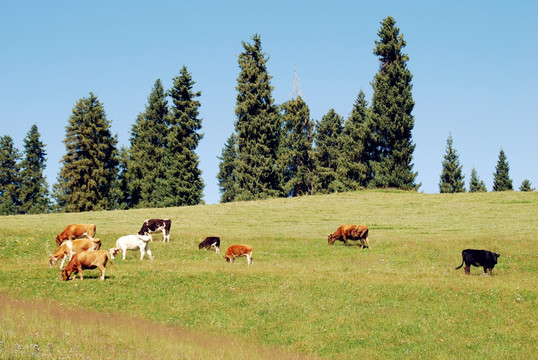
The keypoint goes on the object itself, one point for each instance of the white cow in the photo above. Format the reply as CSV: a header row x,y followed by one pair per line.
x,y
132,242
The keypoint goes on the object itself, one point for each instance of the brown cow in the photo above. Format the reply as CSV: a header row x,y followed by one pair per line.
x,y
238,250
75,231
86,260
69,247
350,232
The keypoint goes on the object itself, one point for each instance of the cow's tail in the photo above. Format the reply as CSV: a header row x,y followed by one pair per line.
x,y
460,265
109,259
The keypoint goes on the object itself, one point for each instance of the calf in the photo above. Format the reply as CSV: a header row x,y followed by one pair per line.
x,y
132,242
484,258
75,231
156,225
237,251
69,247
209,242
86,260
350,232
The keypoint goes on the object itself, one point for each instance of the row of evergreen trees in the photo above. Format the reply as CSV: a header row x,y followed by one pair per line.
x,y
452,178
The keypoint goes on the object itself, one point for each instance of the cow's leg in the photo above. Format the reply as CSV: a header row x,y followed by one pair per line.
x,y
249,258
124,251
63,261
102,268
367,242
149,254
79,269
345,241
142,252
217,249
467,269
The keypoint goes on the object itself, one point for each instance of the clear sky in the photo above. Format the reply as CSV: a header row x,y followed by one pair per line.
x,y
474,66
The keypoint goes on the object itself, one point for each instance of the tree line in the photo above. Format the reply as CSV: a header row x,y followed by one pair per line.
x,y
275,150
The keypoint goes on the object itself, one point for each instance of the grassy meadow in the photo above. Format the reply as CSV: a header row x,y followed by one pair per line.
x,y
300,299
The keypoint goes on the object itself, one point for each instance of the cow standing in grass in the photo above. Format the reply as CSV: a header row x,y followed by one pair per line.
x,y
86,260
156,225
132,242
350,232
210,241
238,250
76,231
70,247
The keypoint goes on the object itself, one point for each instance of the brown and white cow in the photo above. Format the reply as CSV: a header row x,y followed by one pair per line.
x,y
86,260
350,232
75,231
69,247
238,250
156,225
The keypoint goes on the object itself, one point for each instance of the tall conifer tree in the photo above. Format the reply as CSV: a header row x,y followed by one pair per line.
x,y
10,180
353,165
183,176
296,149
88,177
501,177
227,178
145,171
257,127
327,151
392,104
34,193
475,184
451,175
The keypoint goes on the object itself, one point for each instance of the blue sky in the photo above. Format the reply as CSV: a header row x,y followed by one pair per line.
x,y
474,66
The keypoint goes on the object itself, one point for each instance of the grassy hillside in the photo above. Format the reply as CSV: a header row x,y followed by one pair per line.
x,y
400,299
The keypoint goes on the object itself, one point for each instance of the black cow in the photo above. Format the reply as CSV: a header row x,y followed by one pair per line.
x,y
484,258
156,225
210,241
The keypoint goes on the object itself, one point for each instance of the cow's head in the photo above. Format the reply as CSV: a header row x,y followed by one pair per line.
x,y
113,251
52,260
65,274
331,239
58,241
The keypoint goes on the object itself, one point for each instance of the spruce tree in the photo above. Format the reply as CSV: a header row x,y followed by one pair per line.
x,y
501,178
257,127
475,184
10,180
353,164
87,178
145,168
392,104
296,149
526,186
34,194
451,175
327,151
226,177
184,182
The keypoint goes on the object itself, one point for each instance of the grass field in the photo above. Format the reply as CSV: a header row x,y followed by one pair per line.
x,y
301,298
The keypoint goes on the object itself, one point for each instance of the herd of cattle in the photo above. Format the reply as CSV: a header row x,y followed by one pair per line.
x,y
77,245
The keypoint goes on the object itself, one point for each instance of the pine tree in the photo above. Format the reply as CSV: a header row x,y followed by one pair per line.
x,y
526,186
10,181
327,151
87,179
226,177
475,184
34,194
257,127
296,150
183,176
145,168
451,175
392,104
353,164
501,178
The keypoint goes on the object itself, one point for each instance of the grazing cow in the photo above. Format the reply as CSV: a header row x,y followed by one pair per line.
x,y
156,225
350,232
238,250
75,231
86,260
132,242
209,242
69,247
484,258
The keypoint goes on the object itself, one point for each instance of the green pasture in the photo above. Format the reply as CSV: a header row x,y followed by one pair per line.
x,y
301,298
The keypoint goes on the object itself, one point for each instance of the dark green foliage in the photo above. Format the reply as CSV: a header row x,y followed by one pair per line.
x,y
327,151
10,180
451,175
392,104
145,168
88,176
526,186
296,151
226,177
501,178
355,143
475,184
34,193
257,127
183,183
